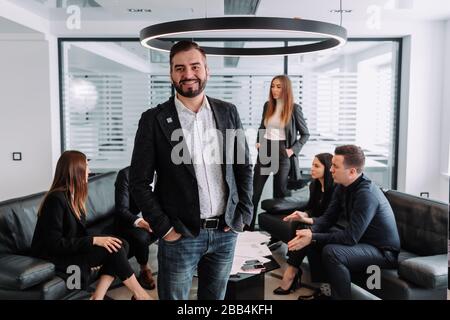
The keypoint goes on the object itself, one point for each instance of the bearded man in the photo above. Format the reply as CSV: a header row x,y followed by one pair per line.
x,y
203,192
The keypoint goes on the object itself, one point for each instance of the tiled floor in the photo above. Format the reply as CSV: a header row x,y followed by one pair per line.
x,y
272,279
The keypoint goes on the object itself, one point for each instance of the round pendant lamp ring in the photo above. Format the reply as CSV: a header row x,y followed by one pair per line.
x,y
335,34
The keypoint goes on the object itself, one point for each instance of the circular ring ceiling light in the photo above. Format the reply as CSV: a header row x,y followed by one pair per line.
x,y
335,35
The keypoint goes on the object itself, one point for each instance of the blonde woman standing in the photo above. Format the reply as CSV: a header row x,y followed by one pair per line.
x,y
282,134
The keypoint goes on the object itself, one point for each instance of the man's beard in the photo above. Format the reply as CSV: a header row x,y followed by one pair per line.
x,y
190,92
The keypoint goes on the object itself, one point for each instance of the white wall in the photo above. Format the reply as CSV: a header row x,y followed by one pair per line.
x,y
445,120
25,117
425,105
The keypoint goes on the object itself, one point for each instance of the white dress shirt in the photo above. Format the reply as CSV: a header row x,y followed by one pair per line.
x,y
201,136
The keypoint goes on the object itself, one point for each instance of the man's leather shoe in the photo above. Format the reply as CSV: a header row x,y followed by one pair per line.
x,y
146,279
316,295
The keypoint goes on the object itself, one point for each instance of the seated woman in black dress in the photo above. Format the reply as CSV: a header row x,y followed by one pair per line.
x,y
320,191
60,235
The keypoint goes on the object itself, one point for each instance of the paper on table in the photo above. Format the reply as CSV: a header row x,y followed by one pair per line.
x,y
264,259
238,262
251,250
253,237
249,247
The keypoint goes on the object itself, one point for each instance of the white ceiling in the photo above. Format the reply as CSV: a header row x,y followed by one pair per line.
x,y
111,18
117,10
8,26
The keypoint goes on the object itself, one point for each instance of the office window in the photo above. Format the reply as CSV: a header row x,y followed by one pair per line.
x,y
348,95
106,87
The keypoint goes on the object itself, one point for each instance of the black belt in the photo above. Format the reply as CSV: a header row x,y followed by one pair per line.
x,y
213,223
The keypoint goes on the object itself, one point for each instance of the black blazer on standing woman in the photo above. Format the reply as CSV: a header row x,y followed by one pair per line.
x,y
295,127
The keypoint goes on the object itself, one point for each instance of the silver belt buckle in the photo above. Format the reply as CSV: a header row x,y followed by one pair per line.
x,y
208,222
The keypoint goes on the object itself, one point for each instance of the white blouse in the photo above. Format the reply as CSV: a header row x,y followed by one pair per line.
x,y
274,127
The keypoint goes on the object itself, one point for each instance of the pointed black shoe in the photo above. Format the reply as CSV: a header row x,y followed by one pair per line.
x,y
294,285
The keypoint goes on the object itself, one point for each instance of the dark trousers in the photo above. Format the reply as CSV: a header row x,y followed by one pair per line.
x,y
139,240
114,264
334,263
271,157
295,258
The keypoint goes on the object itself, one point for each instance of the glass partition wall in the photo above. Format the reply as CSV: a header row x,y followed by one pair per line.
x,y
348,95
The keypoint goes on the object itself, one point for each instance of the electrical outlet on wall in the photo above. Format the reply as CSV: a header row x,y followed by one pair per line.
x,y
17,156
425,194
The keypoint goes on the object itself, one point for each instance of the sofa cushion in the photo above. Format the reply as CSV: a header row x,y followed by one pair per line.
x,y
394,287
427,272
286,205
21,272
403,255
18,219
101,202
421,223
359,293
52,289
282,206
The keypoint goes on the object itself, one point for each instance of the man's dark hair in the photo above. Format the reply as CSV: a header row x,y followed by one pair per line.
x,y
353,156
184,45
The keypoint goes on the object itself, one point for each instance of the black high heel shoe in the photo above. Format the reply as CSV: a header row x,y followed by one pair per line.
x,y
294,285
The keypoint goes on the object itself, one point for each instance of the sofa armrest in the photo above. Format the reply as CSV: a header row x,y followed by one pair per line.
x,y
22,272
282,205
428,271
359,293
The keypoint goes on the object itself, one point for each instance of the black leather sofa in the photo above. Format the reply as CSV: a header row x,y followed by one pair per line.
x,y
25,277
422,225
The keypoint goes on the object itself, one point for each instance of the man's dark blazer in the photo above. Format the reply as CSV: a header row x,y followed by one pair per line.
x,y
174,202
126,208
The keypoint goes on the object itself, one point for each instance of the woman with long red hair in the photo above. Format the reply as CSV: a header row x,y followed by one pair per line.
x,y
282,134
61,237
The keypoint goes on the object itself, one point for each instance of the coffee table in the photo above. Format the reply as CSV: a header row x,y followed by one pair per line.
x,y
244,286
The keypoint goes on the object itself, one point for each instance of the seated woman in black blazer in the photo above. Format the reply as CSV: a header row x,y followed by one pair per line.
x,y
320,191
60,235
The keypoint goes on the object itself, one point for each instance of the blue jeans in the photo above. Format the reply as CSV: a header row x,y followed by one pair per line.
x,y
210,254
